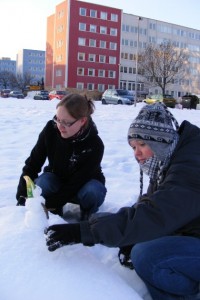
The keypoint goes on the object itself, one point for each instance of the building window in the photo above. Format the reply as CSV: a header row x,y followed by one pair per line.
x,y
93,28
103,30
152,26
80,85
92,57
113,46
101,87
103,15
127,28
111,74
101,73
80,71
58,73
112,60
59,58
102,58
82,26
113,31
82,11
92,43
81,41
91,72
93,13
103,44
60,14
60,28
81,56
114,17
90,86
152,39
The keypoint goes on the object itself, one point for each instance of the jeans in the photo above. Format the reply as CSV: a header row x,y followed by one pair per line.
x,y
89,197
169,266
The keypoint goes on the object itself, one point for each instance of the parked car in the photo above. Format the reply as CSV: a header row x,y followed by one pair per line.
x,y
16,94
57,94
5,93
117,96
168,100
41,95
190,101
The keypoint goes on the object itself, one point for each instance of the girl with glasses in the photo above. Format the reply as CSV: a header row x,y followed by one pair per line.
x,y
73,150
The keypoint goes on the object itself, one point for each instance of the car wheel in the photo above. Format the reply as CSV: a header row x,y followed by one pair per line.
x,y
103,101
119,102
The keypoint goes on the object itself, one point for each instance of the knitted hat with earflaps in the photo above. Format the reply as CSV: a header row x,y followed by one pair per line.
x,y
157,127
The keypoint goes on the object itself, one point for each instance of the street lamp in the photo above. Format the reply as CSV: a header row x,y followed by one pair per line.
x,y
119,76
136,61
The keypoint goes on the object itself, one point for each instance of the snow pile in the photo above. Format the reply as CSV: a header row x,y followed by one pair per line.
x,y
30,271
36,217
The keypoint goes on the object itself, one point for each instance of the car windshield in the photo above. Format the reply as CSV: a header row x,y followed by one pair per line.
x,y
61,92
167,96
157,97
16,92
122,92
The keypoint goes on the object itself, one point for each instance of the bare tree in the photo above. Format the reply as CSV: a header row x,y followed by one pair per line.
x,y
21,81
5,79
162,65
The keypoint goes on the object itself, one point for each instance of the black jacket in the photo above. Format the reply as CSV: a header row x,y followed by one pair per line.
x,y
74,160
172,209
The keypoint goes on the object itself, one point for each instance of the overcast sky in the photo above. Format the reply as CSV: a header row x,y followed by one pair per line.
x,y
23,22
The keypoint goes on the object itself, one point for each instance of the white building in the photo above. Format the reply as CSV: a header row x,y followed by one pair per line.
x,y
154,31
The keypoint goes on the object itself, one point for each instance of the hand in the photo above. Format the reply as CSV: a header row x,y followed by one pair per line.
x,y
21,201
124,257
61,235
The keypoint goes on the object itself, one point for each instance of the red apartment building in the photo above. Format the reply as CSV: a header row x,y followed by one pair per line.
x,y
83,46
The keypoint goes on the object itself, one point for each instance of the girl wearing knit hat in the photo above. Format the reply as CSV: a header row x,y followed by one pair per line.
x,y
163,227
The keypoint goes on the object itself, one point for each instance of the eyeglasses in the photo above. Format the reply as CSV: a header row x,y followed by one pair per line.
x,y
63,123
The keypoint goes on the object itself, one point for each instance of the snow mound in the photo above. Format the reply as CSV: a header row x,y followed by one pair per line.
x,y
35,273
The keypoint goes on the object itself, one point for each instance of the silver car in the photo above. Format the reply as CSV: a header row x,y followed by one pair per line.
x,y
117,96
16,94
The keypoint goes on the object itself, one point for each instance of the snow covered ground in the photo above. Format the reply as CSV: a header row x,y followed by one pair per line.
x,y
28,269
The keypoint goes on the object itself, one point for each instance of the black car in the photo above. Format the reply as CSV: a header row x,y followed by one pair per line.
x,y
16,94
190,101
5,93
41,95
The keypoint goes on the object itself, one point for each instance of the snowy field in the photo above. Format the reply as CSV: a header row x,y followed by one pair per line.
x,y
28,269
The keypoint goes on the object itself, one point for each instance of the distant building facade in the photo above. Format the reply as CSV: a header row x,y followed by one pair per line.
x,y
83,46
91,46
139,32
6,64
31,62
